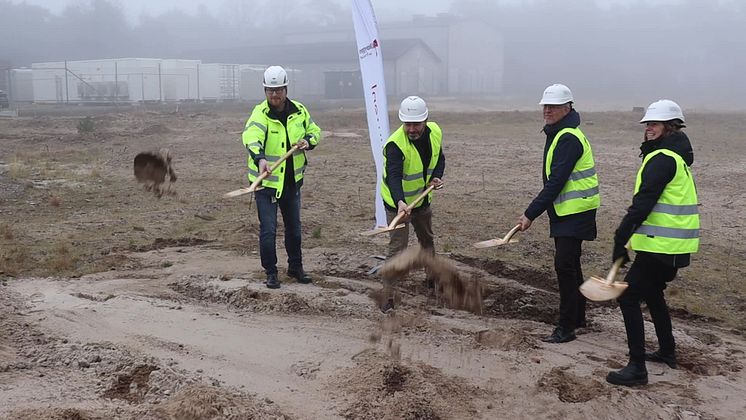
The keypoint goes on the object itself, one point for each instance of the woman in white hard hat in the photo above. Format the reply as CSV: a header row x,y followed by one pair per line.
x,y
662,227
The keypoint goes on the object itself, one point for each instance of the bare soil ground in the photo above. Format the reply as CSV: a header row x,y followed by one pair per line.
x,y
117,304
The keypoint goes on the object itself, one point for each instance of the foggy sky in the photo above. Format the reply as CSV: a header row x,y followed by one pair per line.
x,y
632,50
385,9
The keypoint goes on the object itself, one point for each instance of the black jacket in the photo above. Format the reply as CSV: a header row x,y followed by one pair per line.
x,y
395,167
566,154
658,172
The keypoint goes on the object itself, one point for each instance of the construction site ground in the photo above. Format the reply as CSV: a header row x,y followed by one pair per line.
x,y
115,303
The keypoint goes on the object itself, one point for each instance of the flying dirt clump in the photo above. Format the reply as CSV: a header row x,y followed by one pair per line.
x,y
453,289
151,169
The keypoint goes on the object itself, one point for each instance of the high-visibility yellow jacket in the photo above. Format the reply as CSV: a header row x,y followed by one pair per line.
x,y
672,227
415,177
580,192
268,137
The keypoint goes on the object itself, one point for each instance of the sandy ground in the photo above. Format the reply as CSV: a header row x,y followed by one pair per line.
x,y
117,304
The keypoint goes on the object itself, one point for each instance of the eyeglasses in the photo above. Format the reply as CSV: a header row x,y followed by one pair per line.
x,y
274,91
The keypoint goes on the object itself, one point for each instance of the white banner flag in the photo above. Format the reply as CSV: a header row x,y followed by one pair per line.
x,y
374,88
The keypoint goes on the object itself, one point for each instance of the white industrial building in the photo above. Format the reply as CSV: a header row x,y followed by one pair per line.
x,y
20,85
134,80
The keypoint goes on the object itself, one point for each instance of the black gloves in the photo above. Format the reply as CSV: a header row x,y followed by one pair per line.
x,y
620,252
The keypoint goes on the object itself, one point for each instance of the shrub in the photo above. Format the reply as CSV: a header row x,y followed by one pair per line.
x,y
86,125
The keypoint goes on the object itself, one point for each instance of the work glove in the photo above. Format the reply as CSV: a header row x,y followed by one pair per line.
x,y
620,251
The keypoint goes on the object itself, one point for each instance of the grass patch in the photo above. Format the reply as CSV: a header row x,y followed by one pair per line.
x,y
62,259
13,259
316,232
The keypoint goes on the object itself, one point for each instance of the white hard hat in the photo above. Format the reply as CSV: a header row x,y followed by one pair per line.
x,y
413,109
556,94
275,76
663,110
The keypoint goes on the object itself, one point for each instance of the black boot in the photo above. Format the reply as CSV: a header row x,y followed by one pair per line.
x,y
272,281
657,356
299,275
560,335
632,375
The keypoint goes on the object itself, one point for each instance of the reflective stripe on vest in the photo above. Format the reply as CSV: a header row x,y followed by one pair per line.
x,y
263,134
415,177
672,227
580,192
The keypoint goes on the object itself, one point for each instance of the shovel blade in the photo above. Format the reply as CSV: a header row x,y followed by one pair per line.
x,y
238,192
242,191
598,290
376,231
494,242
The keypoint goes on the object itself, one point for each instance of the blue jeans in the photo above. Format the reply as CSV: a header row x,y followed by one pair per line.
x,y
266,206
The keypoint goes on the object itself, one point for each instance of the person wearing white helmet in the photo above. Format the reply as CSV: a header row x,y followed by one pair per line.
x,y
570,197
413,160
662,227
276,125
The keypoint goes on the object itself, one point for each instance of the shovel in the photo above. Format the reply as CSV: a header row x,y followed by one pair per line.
x,y
507,239
395,222
598,289
256,185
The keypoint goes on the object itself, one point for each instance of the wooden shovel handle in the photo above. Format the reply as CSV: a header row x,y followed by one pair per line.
x,y
512,232
283,158
417,199
614,268
258,181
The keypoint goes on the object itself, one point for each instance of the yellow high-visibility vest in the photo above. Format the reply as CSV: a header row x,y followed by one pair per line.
x,y
415,177
268,134
580,192
672,227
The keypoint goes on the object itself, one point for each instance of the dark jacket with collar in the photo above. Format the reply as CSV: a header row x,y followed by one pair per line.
x,y
658,172
566,154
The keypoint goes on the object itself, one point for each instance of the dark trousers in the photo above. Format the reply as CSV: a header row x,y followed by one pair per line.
x,y
266,206
647,278
421,220
570,277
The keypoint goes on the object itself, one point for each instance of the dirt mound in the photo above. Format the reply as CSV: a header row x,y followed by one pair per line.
x,y
700,363
131,386
155,129
53,414
200,402
506,339
260,301
536,278
160,243
380,388
514,302
455,290
570,387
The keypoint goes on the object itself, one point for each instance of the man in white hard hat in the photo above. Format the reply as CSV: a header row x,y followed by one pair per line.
x,y
570,197
276,125
413,160
662,227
